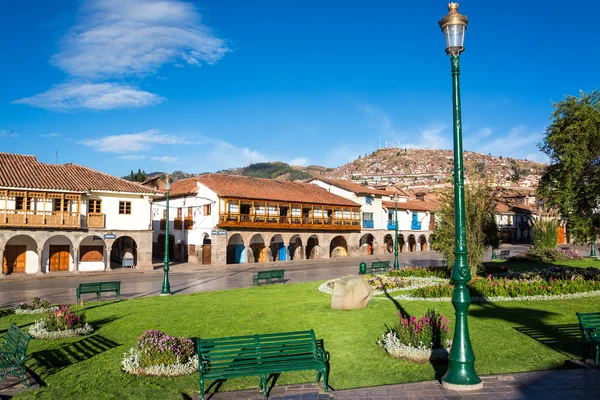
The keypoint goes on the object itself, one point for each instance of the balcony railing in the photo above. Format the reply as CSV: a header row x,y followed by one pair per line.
x,y
264,221
368,225
391,225
95,220
188,223
415,226
50,219
178,223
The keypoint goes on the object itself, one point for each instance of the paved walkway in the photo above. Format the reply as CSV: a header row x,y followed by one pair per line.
x,y
572,384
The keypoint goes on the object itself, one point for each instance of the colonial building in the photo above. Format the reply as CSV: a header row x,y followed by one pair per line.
x,y
219,219
66,217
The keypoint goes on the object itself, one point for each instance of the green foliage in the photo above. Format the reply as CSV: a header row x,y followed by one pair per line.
x,y
482,231
544,233
64,318
139,176
421,272
271,170
158,348
572,181
548,255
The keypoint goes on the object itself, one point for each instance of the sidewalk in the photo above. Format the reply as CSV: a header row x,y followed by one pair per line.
x,y
573,384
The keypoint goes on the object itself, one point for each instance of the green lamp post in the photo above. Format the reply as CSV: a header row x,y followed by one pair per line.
x,y
395,198
461,363
592,248
166,286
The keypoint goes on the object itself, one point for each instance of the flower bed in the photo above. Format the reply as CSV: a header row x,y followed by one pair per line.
x,y
547,255
548,282
158,354
419,339
37,306
421,272
384,283
61,323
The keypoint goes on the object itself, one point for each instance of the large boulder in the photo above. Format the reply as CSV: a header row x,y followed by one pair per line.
x,y
351,292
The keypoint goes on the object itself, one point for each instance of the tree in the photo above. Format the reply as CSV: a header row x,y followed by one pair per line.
x,y
572,181
482,231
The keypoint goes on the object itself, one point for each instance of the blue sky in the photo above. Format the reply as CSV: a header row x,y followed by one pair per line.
x,y
205,85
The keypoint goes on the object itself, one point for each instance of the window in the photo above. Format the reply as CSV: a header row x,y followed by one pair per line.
x,y
369,200
190,213
206,209
19,203
232,208
192,249
179,212
125,207
95,206
65,205
367,216
92,254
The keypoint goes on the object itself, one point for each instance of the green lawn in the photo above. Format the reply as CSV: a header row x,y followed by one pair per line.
x,y
506,336
519,265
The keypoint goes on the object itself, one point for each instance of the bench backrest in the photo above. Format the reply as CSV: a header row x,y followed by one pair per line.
x,y
504,252
110,285
379,264
270,274
589,320
236,351
15,342
90,286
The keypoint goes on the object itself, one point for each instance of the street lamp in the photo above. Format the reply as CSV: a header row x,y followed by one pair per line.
x,y
461,362
395,198
166,287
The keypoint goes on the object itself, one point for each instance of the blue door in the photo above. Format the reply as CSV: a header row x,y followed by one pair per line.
x,y
239,250
415,225
282,252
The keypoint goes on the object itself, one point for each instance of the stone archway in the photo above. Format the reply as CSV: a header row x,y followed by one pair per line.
x,y
388,241
295,248
258,248
124,252
236,250
338,247
21,255
412,243
91,255
58,254
423,242
206,249
401,243
278,249
366,244
312,247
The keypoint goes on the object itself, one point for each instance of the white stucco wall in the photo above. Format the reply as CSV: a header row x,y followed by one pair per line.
x,y
93,265
139,219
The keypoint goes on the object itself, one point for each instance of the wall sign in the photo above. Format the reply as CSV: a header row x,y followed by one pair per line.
x,y
110,236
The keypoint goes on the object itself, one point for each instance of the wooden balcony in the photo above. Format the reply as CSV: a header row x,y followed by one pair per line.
x,y
40,219
163,224
295,223
95,220
177,223
188,223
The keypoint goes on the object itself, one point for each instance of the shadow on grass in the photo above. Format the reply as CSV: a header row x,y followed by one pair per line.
x,y
22,326
90,306
563,338
4,312
49,362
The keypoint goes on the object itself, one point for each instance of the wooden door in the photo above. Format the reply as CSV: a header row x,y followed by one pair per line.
x,y
14,259
59,258
206,256
561,234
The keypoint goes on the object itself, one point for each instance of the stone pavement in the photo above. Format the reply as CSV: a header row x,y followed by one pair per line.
x,y
571,384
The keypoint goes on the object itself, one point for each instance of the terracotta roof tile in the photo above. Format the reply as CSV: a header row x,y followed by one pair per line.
x,y
26,172
183,187
414,205
352,187
245,187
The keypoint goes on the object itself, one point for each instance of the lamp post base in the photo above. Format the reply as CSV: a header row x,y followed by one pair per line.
x,y
462,388
165,294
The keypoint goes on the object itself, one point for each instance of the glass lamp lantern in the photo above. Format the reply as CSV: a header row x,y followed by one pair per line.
x,y
454,26
167,183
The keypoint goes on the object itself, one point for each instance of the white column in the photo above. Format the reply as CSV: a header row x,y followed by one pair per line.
x,y
40,253
1,261
76,259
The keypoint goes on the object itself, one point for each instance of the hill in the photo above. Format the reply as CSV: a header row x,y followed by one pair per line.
x,y
278,170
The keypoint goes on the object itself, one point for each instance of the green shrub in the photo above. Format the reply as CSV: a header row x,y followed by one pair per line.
x,y
544,233
421,272
64,318
158,348
546,255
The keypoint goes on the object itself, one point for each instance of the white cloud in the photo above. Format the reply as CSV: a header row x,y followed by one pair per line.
x,y
516,143
302,161
118,38
132,157
94,96
9,134
133,142
50,135
165,159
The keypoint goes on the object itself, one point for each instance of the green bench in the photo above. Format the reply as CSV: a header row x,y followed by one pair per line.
x,y
377,266
275,275
98,288
260,355
504,254
13,352
589,324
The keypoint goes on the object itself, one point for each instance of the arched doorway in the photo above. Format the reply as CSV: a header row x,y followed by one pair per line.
x,y
338,247
160,246
206,250
124,252
259,250
366,244
20,255
388,240
401,243
57,255
412,243
278,250
236,250
295,248
423,242
92,254
312,247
